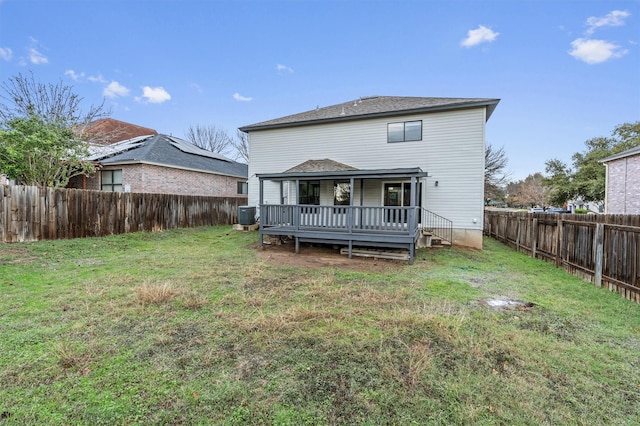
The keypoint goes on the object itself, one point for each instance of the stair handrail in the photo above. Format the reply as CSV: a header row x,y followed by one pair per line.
x,y
439,226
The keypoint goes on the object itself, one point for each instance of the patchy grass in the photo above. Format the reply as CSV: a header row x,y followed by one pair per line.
x,y
196,327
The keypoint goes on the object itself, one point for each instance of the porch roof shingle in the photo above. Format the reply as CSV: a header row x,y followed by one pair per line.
x,y
325,165
374,106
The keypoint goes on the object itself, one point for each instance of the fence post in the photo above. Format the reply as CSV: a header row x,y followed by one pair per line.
x,y
598,242
518,234
559,235
534,237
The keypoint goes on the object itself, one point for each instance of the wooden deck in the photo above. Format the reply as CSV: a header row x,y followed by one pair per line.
x,y
363,226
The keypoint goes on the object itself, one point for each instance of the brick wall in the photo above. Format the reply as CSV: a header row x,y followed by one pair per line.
x,y
165,180
623,186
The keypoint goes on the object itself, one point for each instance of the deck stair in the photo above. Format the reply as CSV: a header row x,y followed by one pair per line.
x,y
436,231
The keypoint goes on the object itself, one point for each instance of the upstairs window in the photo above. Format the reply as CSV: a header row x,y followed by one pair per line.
x,y
404,131
111,180
309,192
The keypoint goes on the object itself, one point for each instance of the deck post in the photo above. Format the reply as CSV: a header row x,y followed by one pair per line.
x,y
297,245
350,248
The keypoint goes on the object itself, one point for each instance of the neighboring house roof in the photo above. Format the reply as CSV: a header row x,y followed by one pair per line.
x,y
168,151
623,154
374,106
108,130
325,165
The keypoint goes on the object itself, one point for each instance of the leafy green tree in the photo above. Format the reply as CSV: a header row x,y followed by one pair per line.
x,y
38,153
586,177
41,132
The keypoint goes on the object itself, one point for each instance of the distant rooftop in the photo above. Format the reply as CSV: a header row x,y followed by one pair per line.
x,y
374,106
623,154
164,150
108,130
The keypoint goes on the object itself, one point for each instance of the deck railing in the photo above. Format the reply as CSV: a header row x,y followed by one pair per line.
x,y
340,218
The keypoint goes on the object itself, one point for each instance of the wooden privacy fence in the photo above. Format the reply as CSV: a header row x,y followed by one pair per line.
x,y
29,213
604,249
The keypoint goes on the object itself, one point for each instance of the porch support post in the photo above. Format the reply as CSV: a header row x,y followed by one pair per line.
x,y
260,203
414,188
297,212
412,217
297,245
413,202
281,192
261,191
350,249
350,216
361,201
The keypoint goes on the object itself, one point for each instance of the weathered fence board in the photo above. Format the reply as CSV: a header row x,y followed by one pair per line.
x,y
29,213
603,249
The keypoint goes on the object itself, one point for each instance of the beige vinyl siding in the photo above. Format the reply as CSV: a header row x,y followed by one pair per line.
x,y
451,151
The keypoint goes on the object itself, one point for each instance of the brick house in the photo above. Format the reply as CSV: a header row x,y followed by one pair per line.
x,y
622,190
163,164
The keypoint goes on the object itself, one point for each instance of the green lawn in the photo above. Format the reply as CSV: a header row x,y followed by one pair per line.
x,y
193,327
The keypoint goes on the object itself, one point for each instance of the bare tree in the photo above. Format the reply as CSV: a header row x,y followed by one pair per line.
x,y
22,97
40,129
241,145
495,177
211,138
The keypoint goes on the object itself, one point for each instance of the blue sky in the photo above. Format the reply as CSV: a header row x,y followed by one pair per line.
x,y
565,71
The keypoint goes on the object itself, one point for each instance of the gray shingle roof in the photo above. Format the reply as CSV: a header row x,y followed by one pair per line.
x,y
168,151
325,165
374,106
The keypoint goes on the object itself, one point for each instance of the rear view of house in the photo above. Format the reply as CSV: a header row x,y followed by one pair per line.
x,y
377,171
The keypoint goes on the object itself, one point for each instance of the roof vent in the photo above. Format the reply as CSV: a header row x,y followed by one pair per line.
x,y
342,113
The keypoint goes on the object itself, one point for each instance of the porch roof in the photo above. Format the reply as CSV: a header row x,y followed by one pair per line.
x,y
346,174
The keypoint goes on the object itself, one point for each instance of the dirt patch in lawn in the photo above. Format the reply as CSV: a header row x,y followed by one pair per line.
x,y
320,256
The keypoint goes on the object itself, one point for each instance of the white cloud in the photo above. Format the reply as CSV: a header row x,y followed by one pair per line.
x,y
6,53
74,75
612,19
97,79
595,51
281,68
155,95
239,97
115,90
36,57
480,35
